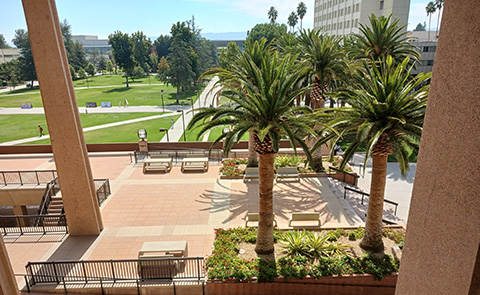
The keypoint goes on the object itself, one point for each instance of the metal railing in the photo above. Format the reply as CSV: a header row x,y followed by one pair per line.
x,y
103,190
364,194
21,224
178,155
51,190
134,270
26,177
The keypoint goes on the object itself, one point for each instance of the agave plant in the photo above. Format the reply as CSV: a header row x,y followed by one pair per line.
x,y
318,245
295,244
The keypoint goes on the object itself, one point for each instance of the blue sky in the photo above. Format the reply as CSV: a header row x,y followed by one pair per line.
x,y
88,17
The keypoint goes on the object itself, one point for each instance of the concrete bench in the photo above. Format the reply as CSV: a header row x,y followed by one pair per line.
x,y
195,164
254,217
304,216
157,164
287,173
251,173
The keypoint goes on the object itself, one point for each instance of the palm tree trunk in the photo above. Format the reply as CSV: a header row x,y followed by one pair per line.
x,y
252,154
429,26
264,245
372,240
438,22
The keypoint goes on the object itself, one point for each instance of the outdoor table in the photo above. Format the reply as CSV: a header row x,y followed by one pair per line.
x,y
195,163
153,249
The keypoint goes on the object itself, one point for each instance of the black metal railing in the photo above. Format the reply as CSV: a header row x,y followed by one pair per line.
x,y
94,271
26,177
103,190
21,224
51,190
178,155
364,194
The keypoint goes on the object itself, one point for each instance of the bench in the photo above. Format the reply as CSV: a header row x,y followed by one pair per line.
x,y
254,217
304,216
161,163
287,173
251,173
195,164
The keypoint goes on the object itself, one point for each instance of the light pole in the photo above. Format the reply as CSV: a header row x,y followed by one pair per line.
x,y
191,102
183,118
199,101
166,131
162,101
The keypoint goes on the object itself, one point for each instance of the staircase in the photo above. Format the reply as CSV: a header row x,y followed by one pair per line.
x,y
56,204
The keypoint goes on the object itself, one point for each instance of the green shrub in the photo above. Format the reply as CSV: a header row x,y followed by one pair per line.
x,y
295,244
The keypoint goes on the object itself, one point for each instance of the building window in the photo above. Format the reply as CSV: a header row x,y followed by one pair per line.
x,y
340,24
334,26
357,7
341,12
381,4
356,23
430,62
429,48
348,10
348,24
335,14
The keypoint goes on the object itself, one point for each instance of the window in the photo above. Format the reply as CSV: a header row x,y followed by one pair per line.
x,y
381,4
340,24
334,26
357,7
348,11
429,48
430,62
335,14
348,24
356,23
341,12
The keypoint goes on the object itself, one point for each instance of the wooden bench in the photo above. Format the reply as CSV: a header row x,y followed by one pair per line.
x,y
254,217
304,216
287,173
158,163
195,164
251,173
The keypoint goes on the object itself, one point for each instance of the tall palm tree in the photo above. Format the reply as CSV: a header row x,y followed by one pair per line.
x,y
292,20
383,38
325,56
430,9
386,115
438,5
272,14
301,11
264,105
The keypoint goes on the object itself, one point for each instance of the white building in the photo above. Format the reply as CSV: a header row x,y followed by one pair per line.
x,y
342,17
427,46
7,54
91,43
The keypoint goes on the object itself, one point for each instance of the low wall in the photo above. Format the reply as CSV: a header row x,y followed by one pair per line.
x,y
21,195
118,288
355,284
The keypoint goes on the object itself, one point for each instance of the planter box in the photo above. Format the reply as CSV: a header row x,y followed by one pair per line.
x,y
231,177
335,285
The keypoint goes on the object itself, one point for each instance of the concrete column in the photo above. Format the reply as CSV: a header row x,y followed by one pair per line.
x,y
61,110
21,210
441,254
8,284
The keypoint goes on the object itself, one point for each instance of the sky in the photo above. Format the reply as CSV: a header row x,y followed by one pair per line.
x,y
155,17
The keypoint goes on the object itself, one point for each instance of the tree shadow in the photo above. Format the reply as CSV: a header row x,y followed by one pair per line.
x,y
116,90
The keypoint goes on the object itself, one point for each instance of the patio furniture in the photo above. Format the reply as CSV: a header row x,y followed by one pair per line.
x,y
287,173
158,162
251,173
163,249
304,216
254,217
195,164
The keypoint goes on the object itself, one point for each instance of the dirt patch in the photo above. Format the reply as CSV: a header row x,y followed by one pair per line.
x,y
390,248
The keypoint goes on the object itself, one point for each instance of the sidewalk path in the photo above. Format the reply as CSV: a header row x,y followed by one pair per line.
x,y
113,109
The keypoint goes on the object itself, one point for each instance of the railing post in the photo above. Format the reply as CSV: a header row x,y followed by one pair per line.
x,y
64,285
19,224
113,271
43,224
27,284
55,272
36,175
362,198
4,179
198,268
20,177
84,271
345,193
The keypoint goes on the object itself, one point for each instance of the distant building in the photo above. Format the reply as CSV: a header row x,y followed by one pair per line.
x,y
343,17
427,48
7,54
91,43
222,44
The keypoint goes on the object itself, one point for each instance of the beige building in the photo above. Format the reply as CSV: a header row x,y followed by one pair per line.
x,y
427,47
7,54
342,17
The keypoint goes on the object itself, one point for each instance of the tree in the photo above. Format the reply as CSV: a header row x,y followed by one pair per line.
x,y
292,20
267,31
82,74
162,45
3,42
386,116
272,14
384,38
122,47
420,27
438,5
301,11
227,56
90,69
264,106
163,67
102,63
109,66
72,73
78,57
142,47
138,72
10,73
94,57
153,62
180,73
430,9
325,56
27,65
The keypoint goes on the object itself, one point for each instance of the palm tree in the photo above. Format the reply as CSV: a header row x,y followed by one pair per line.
x,y
272,14
386,115
301,11
292,20
263,105
384,38
430,9
325,56
438,5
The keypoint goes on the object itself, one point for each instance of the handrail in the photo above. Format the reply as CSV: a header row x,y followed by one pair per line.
x,y
27,176
368,195
50,191
103,191
216,155
148,269
342,171
21,224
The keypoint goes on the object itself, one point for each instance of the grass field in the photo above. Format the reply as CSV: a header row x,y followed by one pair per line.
x,y
106,80
125,133
21,126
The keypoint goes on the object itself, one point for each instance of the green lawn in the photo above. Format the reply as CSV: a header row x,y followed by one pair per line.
x,y
22,126
106,80
125,133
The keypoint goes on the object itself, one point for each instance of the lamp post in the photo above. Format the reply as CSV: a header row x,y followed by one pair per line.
x,y
166,131
199,101
191,102
183,118
162,101
142,134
